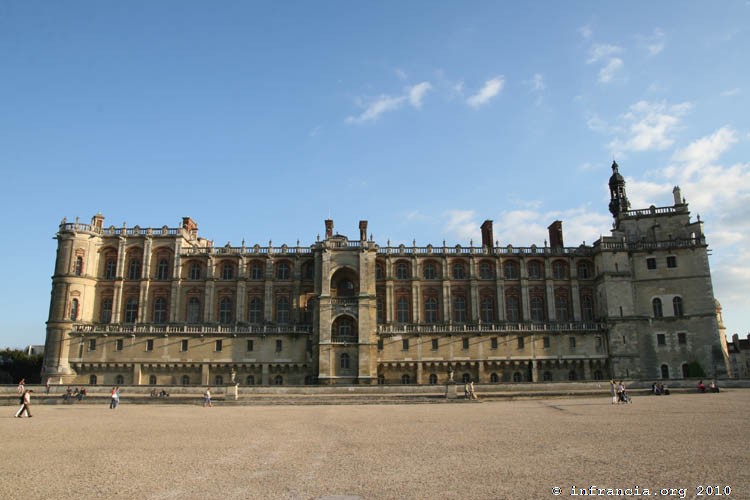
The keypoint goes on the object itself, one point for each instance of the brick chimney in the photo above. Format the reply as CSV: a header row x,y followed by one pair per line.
x,y
555,234
329,228
487,238
363,230
189,224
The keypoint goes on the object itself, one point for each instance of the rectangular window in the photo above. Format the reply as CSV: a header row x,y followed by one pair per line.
x,y
150,345
465,343
118,345
598,344
682,338
92,344
520,342
380,344
546,342
278,345
572,343
493,343
184,345
405,344
661,339
434,344
250,345
671,261
218,346
651,263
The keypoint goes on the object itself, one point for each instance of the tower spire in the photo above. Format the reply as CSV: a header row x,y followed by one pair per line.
x,y
618,199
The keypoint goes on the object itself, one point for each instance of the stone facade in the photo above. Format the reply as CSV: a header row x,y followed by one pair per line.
x,y
135,305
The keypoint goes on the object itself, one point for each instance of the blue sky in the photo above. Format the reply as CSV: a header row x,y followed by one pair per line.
x,y
259,119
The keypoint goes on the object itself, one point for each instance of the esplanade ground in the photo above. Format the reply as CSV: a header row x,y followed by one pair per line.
x,y
674,446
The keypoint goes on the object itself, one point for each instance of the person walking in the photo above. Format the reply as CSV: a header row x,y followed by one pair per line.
x,y
472,394
21,387
25,404
207,398
115,398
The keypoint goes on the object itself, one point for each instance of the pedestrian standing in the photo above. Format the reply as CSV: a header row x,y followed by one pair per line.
x,y
613,391
21,387
25,404
46,386
207,398
472,394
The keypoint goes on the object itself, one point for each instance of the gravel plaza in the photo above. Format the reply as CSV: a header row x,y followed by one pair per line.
x,y
673,446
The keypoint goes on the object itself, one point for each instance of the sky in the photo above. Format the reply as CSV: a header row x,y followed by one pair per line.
x,y
262,119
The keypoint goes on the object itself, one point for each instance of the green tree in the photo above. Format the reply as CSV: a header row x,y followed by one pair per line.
x,y
16,364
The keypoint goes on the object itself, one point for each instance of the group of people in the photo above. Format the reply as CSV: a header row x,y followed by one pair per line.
x,y
712,386
71,394
159,394
659,389
619,392
469,392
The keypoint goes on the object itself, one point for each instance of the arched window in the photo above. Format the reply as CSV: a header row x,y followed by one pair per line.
x,y
131,310
433,379
547,376
459,271
429,271
510,270
92,379
134,268
584,271
459,309
381,379
488,309
572,375
402,310
677,306
486,271
160,310
219,380
282,271
79,266
466,378
587,308
250,380
537,308
256,271
535,270
152,380
278,380
227,271
559,270
308,270
282,310
402,271
196,271
494,378
105,314
119,380
517,377
345,288
561,307
194,310
598,375
685,370
110,268
656,303
225,311
378,271
405,379
74,309
344,361
255,311
185,380
664,371
513,308
162,269
430,310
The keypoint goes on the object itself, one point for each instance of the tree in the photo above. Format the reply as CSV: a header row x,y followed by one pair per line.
x,y
16,364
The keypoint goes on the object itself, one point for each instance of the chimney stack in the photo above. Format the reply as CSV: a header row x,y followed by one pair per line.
x,y
487,238
329,228
556,235
363,230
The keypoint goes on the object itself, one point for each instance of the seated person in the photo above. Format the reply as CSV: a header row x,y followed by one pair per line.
x,y
701,386
713,386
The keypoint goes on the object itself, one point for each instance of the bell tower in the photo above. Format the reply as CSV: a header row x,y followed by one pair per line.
x,y
618,199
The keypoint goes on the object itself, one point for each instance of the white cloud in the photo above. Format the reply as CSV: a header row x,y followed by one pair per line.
x,y
537,82
490,89
461,225
602,52
649,126
417,92
585,32
607,73
377,107
654,43
701,153
731,92
401,74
